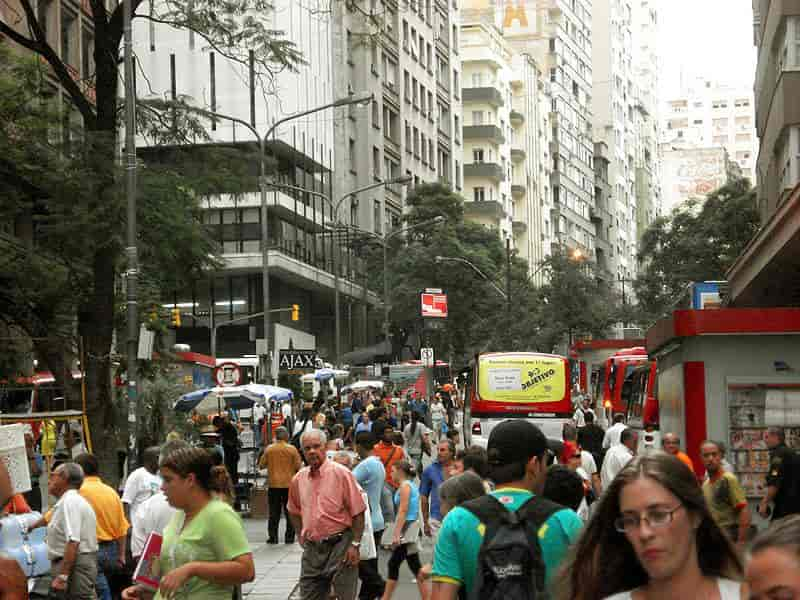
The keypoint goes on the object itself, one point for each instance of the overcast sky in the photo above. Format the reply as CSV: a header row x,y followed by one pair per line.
x,y
709,38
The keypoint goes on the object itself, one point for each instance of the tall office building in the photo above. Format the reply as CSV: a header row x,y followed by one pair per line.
x,y
177,62
557,34
625,80
506,138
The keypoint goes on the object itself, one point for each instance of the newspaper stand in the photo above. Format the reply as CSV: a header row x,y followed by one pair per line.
x,y
728,375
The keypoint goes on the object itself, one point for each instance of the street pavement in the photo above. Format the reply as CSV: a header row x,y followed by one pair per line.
x,y
278,567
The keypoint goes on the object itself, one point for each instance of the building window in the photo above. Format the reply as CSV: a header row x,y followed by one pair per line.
x,y
479,194
477,155
423,148
350,47
456,129
477,117
68,37
407,86
408,138
352,151
376,162
416,142
431,159
456,85
405,35
377,213
376,114
477,80
415,92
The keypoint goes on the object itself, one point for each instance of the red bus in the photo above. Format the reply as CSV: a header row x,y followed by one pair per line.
x,y
640,401
34,393
513,385
615,371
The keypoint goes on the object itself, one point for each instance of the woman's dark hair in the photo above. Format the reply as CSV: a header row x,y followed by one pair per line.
x,y
604,563
406,467
563,486
192,461
783,533
399,439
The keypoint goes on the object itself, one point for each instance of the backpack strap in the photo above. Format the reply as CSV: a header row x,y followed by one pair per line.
x,y
537,510
487,509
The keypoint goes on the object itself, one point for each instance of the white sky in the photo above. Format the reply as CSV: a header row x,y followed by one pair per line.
x,y
709,38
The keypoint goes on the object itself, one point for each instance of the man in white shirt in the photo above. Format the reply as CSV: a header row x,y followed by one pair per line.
x,y
618,456
71,536
612,433
153,514
584,406
143,483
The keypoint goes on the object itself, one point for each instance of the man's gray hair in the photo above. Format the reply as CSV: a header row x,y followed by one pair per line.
x,y
323,439
282,433
73,473
344,454
172,446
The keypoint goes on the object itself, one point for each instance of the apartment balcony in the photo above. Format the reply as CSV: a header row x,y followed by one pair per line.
x,y
519,227
484,132
517,190
517,155
516,117
484,95
486,170
491,210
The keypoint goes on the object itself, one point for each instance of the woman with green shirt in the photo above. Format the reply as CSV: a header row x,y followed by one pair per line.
x,y
204,552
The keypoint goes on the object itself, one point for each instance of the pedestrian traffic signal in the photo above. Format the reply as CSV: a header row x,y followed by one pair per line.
x,y
295,312
176,317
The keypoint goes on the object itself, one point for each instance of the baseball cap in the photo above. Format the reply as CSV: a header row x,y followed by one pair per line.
x,y
515,441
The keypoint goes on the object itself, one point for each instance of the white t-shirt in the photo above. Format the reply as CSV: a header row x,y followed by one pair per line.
x,y
437,411
728,590
414,442
588,464
153,515
611,437
141,485
615,460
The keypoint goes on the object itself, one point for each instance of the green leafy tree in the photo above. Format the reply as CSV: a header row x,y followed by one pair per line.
x,y
697,242
574,303
62,287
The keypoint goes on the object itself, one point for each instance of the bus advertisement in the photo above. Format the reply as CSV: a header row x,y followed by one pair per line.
x,y
526,385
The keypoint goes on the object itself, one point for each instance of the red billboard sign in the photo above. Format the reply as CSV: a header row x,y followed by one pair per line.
x,y
434,305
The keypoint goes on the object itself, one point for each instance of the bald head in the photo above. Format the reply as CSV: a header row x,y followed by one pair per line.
x,y
671,443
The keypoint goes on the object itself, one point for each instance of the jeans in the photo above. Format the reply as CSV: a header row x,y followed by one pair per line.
x,y
107,554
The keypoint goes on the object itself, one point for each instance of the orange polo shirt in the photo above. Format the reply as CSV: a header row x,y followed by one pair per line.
x,y
111,521
388,454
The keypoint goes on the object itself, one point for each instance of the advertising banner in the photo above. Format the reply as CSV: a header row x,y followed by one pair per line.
x,y
523,380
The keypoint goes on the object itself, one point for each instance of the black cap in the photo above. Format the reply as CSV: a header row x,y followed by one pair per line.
x,y
515,441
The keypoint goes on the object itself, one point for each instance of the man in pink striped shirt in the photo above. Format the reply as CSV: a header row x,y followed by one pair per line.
x,y
327,508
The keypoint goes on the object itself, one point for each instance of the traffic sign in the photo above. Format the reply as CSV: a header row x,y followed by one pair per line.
x,y
426,355
228,374
434,305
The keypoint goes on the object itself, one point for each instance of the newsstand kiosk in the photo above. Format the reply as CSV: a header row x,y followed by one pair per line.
x,y
727,375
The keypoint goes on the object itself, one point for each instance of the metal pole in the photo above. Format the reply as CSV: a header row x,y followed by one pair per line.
x,y
337,324
214,342
386,339
131,276
265,360
508,278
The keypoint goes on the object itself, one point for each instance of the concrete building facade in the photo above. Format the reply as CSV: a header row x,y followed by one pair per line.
x,y
709,114
777,87
693,173
506,139
176,62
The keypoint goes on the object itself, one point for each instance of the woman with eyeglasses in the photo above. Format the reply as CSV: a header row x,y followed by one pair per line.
x,y
652,537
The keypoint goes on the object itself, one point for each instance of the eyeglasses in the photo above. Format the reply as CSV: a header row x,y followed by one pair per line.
x,y
656,518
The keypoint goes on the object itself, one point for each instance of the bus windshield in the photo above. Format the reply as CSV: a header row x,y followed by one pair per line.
x,y
522,382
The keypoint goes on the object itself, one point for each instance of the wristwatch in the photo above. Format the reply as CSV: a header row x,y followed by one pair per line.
x,y
355,544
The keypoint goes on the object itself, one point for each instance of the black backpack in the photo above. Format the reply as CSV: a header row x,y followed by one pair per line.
x,y
510,561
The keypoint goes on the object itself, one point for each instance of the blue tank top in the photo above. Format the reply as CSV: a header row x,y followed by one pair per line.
x,y
413,502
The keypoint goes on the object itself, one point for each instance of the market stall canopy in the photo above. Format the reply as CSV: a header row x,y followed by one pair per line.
x,y
239,397
327,374
359,386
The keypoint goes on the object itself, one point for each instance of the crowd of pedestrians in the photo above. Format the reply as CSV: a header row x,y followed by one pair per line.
x,y
591,516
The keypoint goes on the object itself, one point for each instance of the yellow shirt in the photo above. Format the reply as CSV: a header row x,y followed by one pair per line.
x,y
111,521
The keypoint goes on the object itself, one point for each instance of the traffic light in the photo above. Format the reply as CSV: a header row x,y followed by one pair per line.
x,y
295,312
152,316
176,317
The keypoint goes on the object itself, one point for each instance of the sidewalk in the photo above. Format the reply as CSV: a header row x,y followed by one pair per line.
x,y
277,566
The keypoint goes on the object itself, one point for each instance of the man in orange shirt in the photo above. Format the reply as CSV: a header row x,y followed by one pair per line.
x,y
389,453
282,461
672,445
112,526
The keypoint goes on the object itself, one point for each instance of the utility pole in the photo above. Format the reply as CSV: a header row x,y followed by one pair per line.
x,y
508,279
132,271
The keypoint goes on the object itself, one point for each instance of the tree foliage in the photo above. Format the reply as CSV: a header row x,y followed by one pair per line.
x,y
699,241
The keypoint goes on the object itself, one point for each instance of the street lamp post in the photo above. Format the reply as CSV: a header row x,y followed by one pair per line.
x,y
383,240
440,259
262,184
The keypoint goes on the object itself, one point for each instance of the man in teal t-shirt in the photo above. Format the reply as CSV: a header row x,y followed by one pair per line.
x,y
516,457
